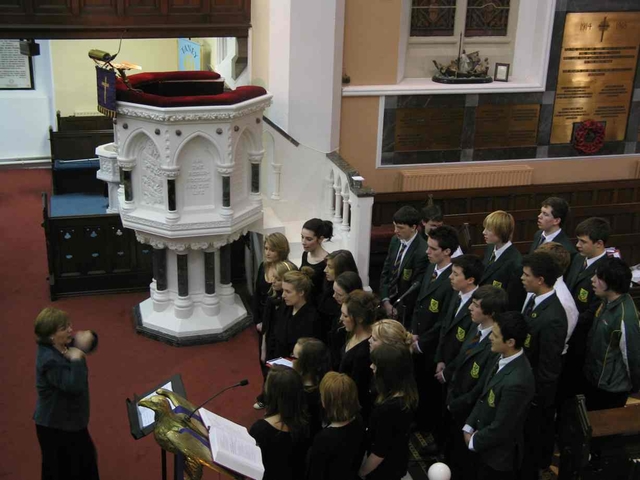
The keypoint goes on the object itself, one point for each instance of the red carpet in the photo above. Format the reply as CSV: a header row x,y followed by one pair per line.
x,y
123,364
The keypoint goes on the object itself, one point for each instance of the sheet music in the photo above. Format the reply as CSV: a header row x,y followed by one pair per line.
x,y
147,416
245,451
281,361
211,420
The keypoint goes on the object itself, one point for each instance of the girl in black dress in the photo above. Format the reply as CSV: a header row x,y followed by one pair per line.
x,y
314,233
336,452
344,284
390,423
358,314
273,305
299,318
283,434
337,262
311,361
276,249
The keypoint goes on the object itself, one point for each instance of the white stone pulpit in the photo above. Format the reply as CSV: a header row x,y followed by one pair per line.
x,y
189,186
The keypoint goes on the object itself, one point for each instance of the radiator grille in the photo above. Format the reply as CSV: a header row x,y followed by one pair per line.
x,y
470,177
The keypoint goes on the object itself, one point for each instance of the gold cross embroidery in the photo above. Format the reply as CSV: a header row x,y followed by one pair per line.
x,y
105,84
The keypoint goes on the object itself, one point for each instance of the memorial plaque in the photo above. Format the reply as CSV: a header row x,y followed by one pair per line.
x,y
506,126
420,129
597,69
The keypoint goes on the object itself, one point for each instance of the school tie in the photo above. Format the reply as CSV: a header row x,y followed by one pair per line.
x,y
529,308
473,343
456,306
434,276
393,288
493,257
540,240
584,265
496,367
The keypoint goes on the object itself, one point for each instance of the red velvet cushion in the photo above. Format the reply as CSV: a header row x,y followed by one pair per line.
x,y
232,97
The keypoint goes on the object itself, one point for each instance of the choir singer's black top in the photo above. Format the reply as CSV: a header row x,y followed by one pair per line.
x,y
282,457
336,453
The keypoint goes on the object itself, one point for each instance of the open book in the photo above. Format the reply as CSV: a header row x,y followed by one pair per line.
x,y
232,446
280,361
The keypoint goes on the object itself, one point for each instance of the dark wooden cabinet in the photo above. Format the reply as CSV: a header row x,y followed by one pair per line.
x,y
59,19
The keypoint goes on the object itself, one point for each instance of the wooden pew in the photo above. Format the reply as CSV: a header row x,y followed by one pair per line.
x,y
73,159
89,251
613,432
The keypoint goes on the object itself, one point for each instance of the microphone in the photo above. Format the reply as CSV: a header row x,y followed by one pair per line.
x,y
241,383
414,286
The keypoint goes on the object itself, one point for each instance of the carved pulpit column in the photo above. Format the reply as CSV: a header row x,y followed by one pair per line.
x,y
225,171
255,158
227,291
183,305
171,173
109,172
126,170
210,302
159,288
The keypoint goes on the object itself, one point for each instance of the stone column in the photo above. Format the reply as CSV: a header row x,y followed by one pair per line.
x,y
109,173
171,173
345,210
225,172
183,305
226,291
255,158
210,302
126,171
159,291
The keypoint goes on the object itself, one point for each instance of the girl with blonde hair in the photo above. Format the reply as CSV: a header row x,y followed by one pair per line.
x,y
389,332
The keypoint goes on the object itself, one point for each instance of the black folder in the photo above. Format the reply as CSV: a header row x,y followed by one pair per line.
x,y
137,431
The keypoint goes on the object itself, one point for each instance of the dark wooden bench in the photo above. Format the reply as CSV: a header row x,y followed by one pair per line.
x,y
73,153
614,433
89,251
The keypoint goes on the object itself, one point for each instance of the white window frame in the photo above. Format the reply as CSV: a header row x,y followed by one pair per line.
x,y
528,73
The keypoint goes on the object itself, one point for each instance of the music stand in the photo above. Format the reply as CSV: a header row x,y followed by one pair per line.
x,y
138,430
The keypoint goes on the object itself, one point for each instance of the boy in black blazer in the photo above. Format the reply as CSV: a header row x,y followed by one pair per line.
x,y
494,429
431,305
405,264
502,260
544,345
553,213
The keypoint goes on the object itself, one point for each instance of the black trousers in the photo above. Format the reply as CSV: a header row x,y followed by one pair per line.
x,y
539,440
67,455
430,393
485,472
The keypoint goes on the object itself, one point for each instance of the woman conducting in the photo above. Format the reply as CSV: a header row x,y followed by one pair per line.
x,y
62,408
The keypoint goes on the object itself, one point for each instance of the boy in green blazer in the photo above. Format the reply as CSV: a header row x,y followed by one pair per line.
x,y
494,429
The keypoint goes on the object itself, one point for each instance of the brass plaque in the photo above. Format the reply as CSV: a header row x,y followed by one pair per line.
x,y
420,129
506,126
597,68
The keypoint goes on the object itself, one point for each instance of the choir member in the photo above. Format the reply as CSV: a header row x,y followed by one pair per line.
x,y
312,362
314,232
283,434
358,314
392,414
336,452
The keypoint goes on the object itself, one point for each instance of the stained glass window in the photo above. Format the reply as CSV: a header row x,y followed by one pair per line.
x,y
487,18
433,18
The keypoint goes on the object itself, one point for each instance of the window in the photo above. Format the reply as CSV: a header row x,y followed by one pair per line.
x,y
480,18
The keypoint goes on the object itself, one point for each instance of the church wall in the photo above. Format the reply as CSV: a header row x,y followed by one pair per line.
x,y
25,115
371,37
260,43
74,75
360,127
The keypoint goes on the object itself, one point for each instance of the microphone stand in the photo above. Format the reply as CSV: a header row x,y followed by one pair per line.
x,y
241,383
